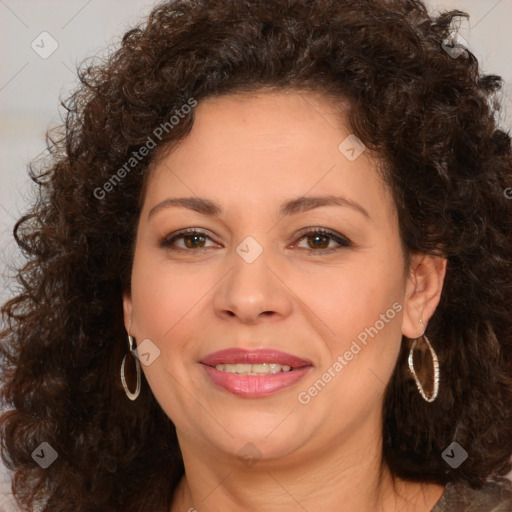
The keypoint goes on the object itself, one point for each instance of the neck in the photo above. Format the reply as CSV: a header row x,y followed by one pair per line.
x,y
345,473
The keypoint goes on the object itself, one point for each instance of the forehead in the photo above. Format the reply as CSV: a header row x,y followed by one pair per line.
x,y
261,147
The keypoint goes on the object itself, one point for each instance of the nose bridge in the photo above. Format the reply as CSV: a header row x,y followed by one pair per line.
x,y
251,288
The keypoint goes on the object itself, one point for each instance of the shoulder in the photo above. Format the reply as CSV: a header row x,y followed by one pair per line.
x,y
492,497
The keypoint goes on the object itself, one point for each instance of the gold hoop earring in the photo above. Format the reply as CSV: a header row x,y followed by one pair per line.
x,y
435,365
129,394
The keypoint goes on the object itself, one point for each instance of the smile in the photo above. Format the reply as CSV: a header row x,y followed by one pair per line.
x,y
254,373
253,369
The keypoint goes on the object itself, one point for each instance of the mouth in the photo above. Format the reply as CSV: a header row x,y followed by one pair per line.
x,y
254,369
256,362
254,373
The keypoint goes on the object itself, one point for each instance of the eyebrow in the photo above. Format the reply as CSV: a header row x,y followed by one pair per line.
x,y
292,207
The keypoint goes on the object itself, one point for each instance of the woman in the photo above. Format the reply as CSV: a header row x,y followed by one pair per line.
x,y
269,268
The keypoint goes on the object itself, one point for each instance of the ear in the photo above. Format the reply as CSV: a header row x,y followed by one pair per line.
x,y
127,311
423,292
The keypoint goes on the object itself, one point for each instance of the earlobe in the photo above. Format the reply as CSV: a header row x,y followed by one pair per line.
x,y
127,311
423,292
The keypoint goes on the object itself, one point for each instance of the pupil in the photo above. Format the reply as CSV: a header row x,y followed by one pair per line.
x,y
317,238
188,242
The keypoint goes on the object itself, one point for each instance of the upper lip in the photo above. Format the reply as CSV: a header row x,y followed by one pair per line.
x,y
251,356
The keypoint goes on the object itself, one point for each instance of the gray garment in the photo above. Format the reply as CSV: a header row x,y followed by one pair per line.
x,y
459,497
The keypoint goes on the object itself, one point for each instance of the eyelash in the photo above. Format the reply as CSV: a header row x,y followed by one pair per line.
x,y
343,242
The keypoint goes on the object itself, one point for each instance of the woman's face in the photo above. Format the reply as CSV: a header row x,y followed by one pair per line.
x,y
256,277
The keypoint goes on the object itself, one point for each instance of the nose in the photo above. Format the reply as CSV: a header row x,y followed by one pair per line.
x,y
252,291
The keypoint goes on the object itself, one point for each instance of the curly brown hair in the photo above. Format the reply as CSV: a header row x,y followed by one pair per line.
x,y
431,116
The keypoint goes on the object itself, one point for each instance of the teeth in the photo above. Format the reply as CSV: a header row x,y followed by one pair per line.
x,y
254,369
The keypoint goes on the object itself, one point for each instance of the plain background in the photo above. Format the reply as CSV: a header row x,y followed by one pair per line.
x,y
30,86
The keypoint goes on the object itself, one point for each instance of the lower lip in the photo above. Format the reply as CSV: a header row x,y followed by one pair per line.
x,y
252,386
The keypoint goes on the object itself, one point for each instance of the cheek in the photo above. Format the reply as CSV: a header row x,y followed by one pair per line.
x,y
163,297
361,344
360,310
165,302
352,296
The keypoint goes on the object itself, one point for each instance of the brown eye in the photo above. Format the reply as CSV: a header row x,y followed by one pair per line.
x,y
318,241
192,239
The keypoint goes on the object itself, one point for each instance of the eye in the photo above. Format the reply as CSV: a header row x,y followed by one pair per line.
x,y
192,239
319,239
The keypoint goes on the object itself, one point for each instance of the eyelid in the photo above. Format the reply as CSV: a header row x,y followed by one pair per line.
x,y
341,240
323,231
168,239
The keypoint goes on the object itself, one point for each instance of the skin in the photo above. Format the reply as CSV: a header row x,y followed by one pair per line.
x,y
251,153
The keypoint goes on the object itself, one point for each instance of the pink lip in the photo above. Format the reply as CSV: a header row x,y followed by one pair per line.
x,y
253,386
238,355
